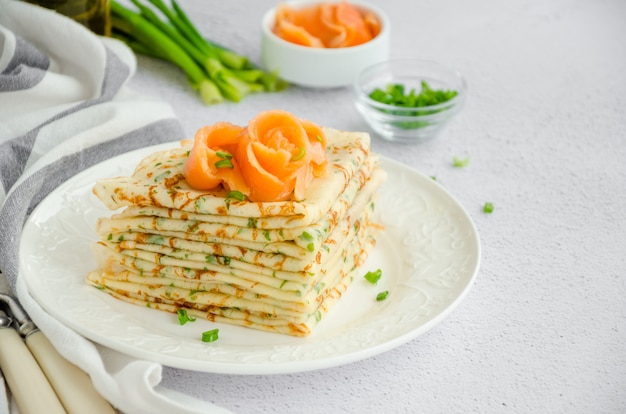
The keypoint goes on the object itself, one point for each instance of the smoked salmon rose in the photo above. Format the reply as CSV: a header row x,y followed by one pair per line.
x,y
274,158
280,154
211,161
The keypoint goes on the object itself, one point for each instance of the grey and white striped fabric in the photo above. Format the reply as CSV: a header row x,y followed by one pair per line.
x,y
65,106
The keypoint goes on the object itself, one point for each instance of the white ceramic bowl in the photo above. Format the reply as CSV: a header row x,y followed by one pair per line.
x,y
317,67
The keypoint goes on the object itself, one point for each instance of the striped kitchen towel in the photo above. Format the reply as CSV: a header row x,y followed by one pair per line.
x,y
65,106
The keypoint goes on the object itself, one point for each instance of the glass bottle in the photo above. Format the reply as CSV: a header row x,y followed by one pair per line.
x,y
94,14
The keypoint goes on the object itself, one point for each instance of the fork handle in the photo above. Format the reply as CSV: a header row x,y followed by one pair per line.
x,y
29,386
72,385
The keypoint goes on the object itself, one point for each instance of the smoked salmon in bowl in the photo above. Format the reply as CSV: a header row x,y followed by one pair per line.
x,y
323,44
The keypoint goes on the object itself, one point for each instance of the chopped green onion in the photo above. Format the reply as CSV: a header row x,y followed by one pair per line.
x,y
488,208
237,195
395,95
224,155
459,162
183,317
374,276
213,70
210,336
306,236
382,296
225,163
299,155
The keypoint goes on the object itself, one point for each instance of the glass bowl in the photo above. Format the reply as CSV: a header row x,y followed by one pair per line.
x,y
408,124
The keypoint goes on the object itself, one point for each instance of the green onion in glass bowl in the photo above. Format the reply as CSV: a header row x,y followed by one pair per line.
x,y
409,100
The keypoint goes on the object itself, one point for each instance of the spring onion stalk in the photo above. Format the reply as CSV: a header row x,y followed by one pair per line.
x,y
213,70
142,36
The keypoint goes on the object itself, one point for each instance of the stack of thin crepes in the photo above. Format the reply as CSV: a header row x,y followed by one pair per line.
x,y
273,266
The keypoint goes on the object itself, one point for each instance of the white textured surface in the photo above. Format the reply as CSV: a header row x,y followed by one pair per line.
x,y
544,327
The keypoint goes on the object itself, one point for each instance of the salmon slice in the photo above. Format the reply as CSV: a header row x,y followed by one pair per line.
x,y
330,25
274,159
352,20
211,162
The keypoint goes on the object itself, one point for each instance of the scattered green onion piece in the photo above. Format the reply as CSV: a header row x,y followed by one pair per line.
x,y
374,276
183,317
224,155
210,336
237,195
382,296
488,208
306,236
225,163
459,162
299,155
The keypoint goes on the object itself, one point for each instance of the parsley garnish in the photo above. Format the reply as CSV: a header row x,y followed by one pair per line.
x,y
488,208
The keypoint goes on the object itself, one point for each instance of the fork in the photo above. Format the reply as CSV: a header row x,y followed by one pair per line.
x,y
72,387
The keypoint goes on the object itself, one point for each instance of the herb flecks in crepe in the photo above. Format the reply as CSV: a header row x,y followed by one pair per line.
x,y
276,266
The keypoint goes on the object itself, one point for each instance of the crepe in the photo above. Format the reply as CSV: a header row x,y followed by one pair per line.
x,y
272,266
159,181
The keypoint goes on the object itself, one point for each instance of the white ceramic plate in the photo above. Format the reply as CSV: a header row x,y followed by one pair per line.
x,y
429,255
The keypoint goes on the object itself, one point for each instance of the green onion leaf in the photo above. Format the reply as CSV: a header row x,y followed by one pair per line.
x,y
374,276
183,317
224,155
299,155
459,162
306,236
488,208
225,163
210,336
237,195
382,296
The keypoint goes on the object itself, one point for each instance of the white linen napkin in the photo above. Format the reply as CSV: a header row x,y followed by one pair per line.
x,y
64,107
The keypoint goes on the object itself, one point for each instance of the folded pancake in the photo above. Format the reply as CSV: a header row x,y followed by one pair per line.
x,y
158,181
272,266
